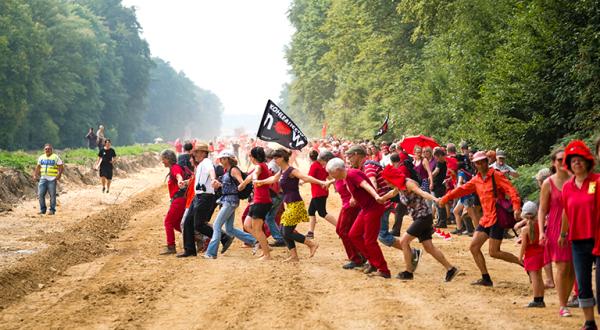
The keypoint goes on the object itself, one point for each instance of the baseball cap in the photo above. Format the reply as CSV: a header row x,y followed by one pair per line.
x,y
226,154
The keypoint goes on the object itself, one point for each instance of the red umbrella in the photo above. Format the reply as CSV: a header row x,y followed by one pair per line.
x,y
409,143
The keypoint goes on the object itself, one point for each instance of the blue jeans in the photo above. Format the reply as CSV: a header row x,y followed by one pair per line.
x,y
583,261
226,217
270,219
50,187
385,237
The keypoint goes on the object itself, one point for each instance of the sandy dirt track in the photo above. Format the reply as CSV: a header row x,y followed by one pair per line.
x,y
124,283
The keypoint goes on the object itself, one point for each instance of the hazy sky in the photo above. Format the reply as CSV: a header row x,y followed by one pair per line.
x,y
234,48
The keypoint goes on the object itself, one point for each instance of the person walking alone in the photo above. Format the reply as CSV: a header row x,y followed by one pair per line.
x,y
48,170
106,158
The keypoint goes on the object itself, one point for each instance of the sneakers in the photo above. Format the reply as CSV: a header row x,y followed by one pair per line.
x,y
451,274
227,244
482,282
573,302
369,269
206,256
589,327
564,312
415,259
405,276
279,243
51,213
457,231
255,248
351,265
380,274
536,304
310,235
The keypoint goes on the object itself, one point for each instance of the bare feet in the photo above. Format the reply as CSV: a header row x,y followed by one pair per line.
x,y
549,285
265,258
313,248
292,259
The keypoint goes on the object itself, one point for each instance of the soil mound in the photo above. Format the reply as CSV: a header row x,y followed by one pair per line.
x,y
18,185
82,242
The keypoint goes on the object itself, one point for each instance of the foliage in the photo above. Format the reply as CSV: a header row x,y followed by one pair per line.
x,y
516,75
22,160
66,66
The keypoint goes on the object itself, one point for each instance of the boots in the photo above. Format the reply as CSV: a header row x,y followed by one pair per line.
x,y
169,249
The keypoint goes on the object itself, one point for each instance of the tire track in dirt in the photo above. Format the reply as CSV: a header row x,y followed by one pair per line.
x,y
82,242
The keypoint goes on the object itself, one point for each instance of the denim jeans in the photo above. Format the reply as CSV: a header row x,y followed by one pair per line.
x,y
226,216
50,187
270,219
385,237
583,261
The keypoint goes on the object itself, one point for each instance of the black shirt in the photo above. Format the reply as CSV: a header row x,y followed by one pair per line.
x,y
438,180
107,156
183,160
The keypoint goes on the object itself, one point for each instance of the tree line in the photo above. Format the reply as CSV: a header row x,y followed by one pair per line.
x,y
67,65
518,75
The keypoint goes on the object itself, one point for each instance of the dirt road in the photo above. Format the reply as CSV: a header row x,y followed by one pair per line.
x,y
124,283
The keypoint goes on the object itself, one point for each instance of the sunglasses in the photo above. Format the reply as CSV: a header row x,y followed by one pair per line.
x,y
559,159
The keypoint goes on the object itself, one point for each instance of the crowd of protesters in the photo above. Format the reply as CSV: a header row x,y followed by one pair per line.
x,y
435,186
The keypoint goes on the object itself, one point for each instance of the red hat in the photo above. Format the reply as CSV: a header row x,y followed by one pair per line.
x,y
395,177
577,148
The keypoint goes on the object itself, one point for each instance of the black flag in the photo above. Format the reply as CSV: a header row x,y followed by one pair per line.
x,y
384,128
276,126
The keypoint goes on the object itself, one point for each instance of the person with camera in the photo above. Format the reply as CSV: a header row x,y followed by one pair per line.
x,y
205,184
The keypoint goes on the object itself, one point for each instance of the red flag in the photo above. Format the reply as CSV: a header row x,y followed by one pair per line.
x,y
324,130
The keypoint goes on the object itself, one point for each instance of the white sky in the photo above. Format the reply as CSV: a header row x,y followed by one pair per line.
x,y
235,48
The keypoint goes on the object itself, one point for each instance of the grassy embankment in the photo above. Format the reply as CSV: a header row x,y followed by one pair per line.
x,y
22,160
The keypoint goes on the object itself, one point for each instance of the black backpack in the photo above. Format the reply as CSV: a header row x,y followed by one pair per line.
x,y
247,192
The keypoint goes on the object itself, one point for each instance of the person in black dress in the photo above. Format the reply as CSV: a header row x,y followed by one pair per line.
x,y
106,158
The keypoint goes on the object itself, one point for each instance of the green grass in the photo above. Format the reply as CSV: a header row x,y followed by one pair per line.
x,y
22,160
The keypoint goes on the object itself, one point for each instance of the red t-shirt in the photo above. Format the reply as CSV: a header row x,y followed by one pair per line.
x,y
318,172
579,205
261,194
340,187
374,171
172,184
362,197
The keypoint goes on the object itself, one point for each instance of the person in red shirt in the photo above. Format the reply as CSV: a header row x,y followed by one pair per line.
x,y
488,228
178,146
176,187
261,203
580,223
365,229
319,194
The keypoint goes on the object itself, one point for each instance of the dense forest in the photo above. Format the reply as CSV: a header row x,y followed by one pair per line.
x,y
67,65
519,75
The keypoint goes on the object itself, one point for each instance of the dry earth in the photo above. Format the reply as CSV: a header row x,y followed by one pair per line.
x,y
97,266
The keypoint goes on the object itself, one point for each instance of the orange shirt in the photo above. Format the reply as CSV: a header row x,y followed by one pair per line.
x,y
485,191
190,192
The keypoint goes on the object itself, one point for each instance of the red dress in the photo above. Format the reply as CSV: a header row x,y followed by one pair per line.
x,y
554,252
534,253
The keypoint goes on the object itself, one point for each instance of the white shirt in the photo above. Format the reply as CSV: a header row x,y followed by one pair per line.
x,y
203,171
385,160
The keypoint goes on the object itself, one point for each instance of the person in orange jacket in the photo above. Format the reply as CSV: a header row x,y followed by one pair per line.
x,y
488,228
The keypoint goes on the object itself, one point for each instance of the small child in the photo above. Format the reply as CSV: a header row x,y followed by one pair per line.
x,y
532,253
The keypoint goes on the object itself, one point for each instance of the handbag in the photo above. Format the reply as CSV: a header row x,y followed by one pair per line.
x,y
504,210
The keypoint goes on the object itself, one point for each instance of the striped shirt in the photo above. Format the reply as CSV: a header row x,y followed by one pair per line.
x,y
374,171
